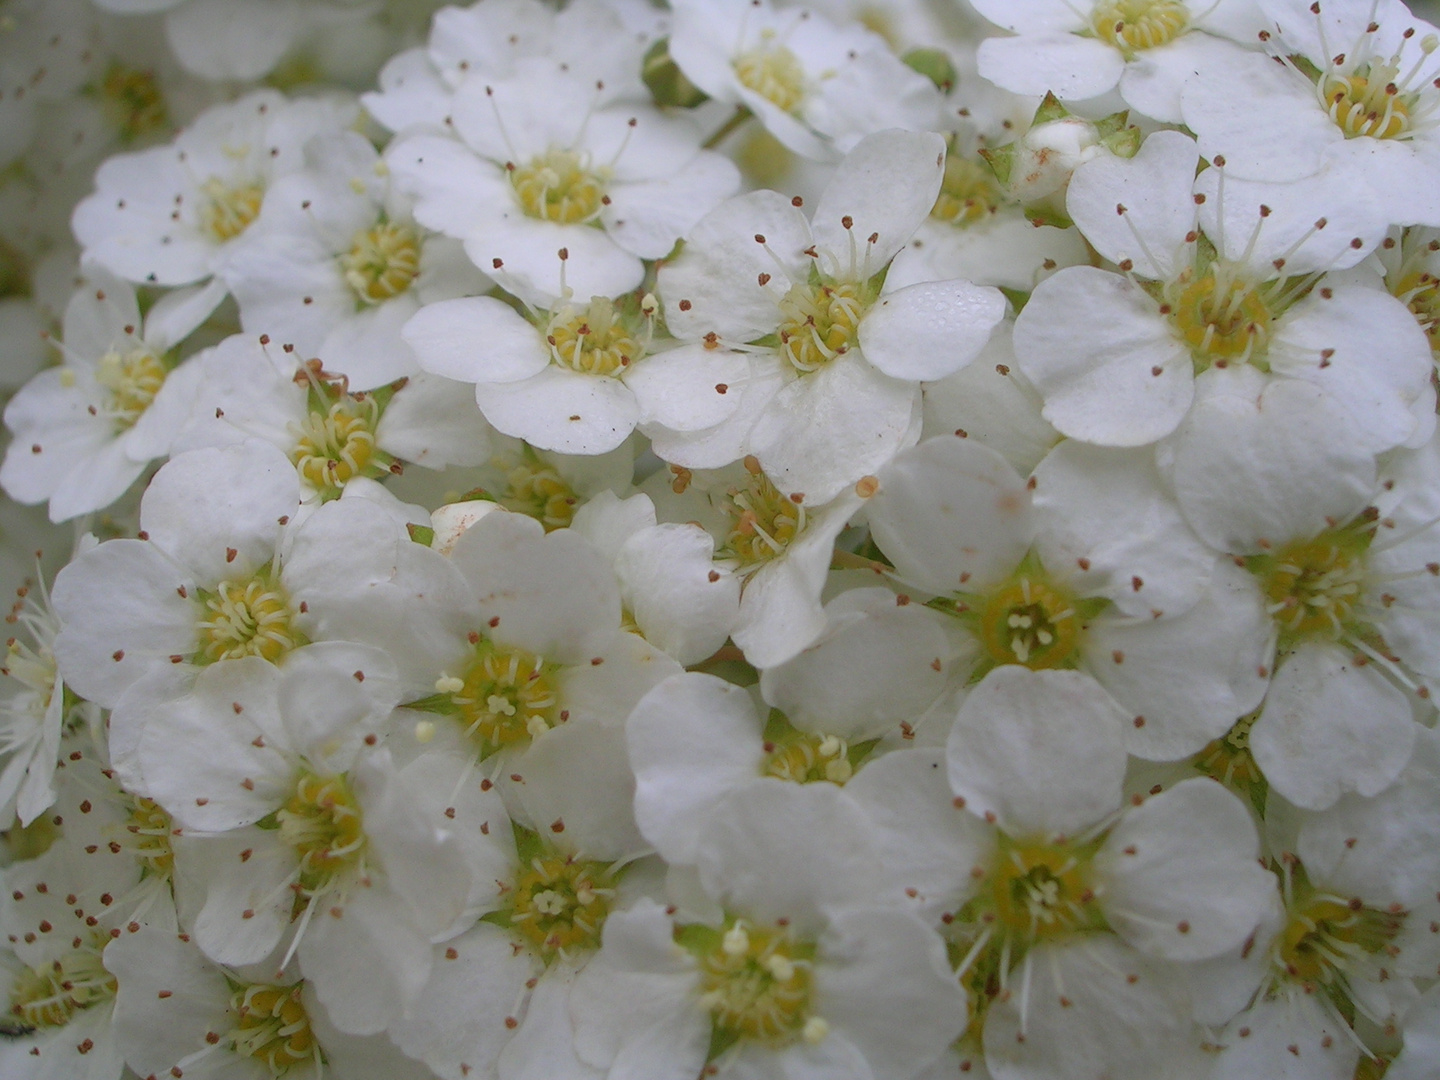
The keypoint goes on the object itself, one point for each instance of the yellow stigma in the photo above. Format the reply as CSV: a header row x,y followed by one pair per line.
x,y
338,444
1326,935
148,836
1030,620
132,379
321,820
49,996
763,522
1040,890
506,697
133,102
1367,104
804,758
1134,25
273,1027
560,185
250,617
820,322
772,71
382,262
228,211
536,489
1313,588
969,193
593,340
559,904
756,983
1222,319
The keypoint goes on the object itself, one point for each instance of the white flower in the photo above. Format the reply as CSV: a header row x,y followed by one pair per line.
x,y
164,216
1353,89
84,431
1218,274
801,973
818,87
335,264
836,360
541,162
1146,47
224,39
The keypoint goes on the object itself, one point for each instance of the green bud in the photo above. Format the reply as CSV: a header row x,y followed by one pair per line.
x,y
934,64
667,83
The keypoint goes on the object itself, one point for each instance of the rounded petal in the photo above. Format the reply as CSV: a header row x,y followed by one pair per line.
x,y
562,410
930,330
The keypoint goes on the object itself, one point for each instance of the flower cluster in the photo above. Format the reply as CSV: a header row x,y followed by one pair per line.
x,y
886,541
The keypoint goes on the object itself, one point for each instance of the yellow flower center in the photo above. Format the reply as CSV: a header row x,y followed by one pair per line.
x,y
228,211
1222,319
537,489
1314,587
593,340
1031,621
252,617
1326,935
1419,290
1228,759
560,185
772,71
805,758
1039,890
321,820
148,835
756,983
382,262
49,996
133,102
1135,25
820,322
763,522
505,697
132,380
969,193
338,444
273,1027
1367,104
560,904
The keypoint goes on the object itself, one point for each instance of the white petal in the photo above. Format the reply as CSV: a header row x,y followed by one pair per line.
x,y
1097,371
1330,726
476,339
1039,752
1074,68
931,330
863,192
562,410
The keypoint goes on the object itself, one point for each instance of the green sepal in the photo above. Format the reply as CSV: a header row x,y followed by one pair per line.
x,y
421,534
778,728
1001,160
721,1039
1118,135
529,844
1047,214
934,64
478,494
500,917
1018,297
1050,110
270,822
699,939
439,704
666,82
859,751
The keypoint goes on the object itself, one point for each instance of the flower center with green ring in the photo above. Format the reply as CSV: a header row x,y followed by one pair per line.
x,y
763,522
322,822
821,321
274,1028
559,186
1135,25
504,697
593,340
559,904
969,192
132,379
1314,588
382,262
228,211
1223,319
250,617
49,996
774,72
756,982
